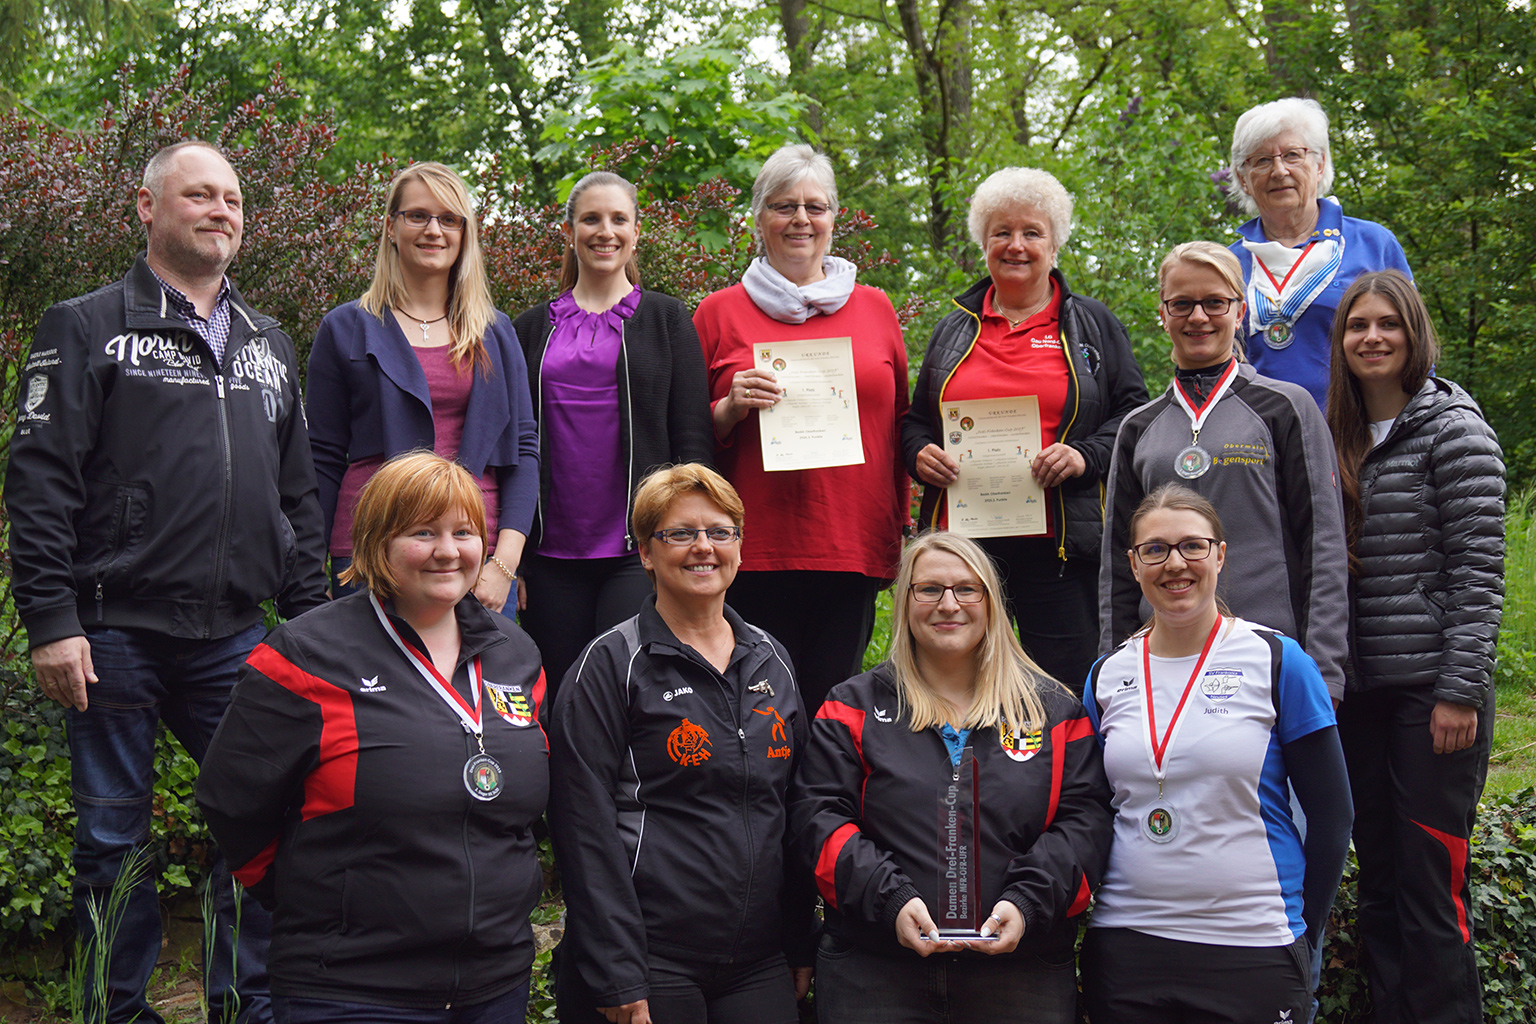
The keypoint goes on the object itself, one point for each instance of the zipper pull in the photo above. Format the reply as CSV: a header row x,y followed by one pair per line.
x,y
219,383
98,599
742,733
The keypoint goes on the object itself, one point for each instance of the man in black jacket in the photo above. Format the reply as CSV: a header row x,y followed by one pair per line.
x,y
160,488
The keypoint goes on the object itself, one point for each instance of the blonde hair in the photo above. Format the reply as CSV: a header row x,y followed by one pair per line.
x,y
1008,682
660,489
470,311
409,489
1220,259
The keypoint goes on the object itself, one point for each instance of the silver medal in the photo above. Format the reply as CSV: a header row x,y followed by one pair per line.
x,y
1192,462
1279,335
1161,824
482,777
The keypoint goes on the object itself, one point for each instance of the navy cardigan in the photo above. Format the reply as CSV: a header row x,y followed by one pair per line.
x,y
367,395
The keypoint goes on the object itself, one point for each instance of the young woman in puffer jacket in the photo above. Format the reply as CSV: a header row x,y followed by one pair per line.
x,y
1423,483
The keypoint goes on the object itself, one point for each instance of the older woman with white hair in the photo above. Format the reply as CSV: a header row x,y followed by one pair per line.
x,y
1020,331
825,540
1300,252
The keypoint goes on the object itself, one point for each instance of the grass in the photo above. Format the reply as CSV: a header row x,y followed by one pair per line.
x,y
1512,765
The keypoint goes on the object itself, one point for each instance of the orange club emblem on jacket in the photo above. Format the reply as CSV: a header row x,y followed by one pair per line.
x,y
688,744
780,732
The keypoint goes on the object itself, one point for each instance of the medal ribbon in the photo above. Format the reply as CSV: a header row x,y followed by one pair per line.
x,y
468,714
1309,273
1198,416
1159,749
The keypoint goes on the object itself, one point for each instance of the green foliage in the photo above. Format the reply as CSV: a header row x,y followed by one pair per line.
x,y
719,112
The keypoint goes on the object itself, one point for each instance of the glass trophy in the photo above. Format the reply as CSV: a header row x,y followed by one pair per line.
x,y
958,913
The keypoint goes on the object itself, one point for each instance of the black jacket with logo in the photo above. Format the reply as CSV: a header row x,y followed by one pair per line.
x,y
866,815
669,783
150,488
335,786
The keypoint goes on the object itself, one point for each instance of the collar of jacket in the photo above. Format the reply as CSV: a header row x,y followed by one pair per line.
x,y
970,300
386,344
655,634
477,630
146,307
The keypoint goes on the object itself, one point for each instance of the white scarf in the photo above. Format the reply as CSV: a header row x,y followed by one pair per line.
x,y
790,303
1285,281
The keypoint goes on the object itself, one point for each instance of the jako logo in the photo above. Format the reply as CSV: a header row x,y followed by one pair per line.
x,y
677,692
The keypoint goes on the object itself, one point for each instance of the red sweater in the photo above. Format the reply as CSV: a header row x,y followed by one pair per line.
x,y
840,519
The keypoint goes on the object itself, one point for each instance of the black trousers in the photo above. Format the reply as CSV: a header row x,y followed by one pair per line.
x,y
824,620
571,600
1414,812
1130,977
690,992
1055,604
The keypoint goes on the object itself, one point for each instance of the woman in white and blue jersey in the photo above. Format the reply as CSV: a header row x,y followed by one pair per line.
x,y
1212,903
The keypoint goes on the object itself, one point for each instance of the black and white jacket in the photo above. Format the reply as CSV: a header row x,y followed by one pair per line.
x,y
1430,588
151,486
670,782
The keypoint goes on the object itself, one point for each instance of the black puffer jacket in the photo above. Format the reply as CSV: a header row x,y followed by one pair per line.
x,y
1104,383
1430,589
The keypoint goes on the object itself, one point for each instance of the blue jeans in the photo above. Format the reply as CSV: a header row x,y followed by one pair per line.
x,y
146,678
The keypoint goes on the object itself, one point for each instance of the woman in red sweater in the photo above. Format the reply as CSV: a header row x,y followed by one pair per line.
x,y
824,540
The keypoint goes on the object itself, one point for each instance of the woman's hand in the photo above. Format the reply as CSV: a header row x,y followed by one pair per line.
x,y
750,389
638,1012
802,976
1007,924
494,586
936,467
1057,464
1453,726
915,930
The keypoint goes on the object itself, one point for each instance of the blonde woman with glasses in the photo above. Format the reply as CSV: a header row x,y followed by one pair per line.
x,y
954,809
423,360
1256,448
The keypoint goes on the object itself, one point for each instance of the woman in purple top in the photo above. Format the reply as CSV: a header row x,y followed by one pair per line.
x,y
423,360
618,382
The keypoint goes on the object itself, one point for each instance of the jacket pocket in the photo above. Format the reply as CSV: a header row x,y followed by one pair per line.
x,y
122,534
1435,604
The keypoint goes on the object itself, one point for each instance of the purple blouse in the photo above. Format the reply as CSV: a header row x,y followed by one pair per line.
x,y
584,516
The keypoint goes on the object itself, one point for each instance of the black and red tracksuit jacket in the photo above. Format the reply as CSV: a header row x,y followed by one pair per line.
x,y
866,815
335,786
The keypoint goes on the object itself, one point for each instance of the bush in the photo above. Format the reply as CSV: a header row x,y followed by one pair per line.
x,y
67,226
1504,908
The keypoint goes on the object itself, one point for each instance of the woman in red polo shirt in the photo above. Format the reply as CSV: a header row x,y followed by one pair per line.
x,y
1020,331
824,540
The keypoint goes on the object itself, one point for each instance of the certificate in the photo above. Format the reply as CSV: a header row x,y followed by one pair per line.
x,y
994,441
815,423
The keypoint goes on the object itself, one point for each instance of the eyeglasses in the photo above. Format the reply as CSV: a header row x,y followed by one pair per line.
x,y
811,209
933,593
421,218
1191,549
682,535
1291,158
1214,306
